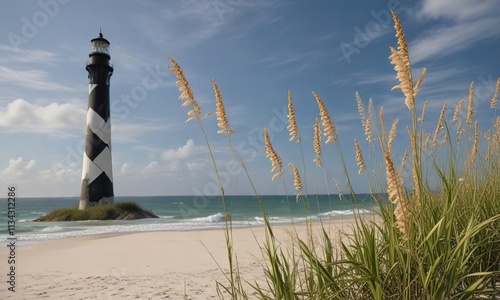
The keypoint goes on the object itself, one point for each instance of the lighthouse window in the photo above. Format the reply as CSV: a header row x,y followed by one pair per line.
x,y
99,48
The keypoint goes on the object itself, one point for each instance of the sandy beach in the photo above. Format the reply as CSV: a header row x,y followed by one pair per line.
x,y
150,265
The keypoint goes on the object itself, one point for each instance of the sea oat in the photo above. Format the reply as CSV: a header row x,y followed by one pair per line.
x,y
359,157
414,171
424,109
328,128
458,109
317,143
221,112
276,163
382,124
292,121
392,135
416,86
412,138
439,126
337,185
496,136
186,92
404,160
445,139
361,109
427,140
401,61
296,181
470,106
494,100
473,151
396,195
368,122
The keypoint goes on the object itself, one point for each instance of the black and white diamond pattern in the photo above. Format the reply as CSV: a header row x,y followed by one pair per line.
x,y
97,169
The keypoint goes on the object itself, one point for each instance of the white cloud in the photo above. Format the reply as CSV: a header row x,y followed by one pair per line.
x,y
152,167
21,115
61,174
127,168
195,166
18,167
180,153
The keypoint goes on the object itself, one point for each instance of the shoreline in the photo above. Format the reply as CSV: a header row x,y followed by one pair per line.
x,y
145,265
207,227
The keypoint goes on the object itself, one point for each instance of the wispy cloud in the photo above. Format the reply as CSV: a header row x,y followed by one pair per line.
x,y
463,24
443,41
33,79
131,131
456,9
186,23
11,55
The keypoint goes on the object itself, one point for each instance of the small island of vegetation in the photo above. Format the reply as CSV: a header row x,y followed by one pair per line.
x,y
117,211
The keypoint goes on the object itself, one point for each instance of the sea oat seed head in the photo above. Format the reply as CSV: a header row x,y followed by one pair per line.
x,y
424,109
404,160
458,108
427,139
359,157
470,106
328,128
382,124
292,121
456,116
445,139
439,126
186,92
416,86
396,195
276,163
221,112
401,61
317,143
337,185
494,100
361,109
392,135
296,182
368,122
473,151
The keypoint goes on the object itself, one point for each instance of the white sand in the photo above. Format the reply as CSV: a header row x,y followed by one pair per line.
x,y
152,265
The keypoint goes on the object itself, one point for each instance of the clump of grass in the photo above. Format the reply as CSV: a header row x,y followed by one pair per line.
x,y
437,233
98,212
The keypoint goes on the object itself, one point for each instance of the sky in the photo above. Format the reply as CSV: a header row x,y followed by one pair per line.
x,y
256,51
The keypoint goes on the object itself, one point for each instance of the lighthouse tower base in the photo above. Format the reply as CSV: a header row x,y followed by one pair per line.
x,y
85,203
84,198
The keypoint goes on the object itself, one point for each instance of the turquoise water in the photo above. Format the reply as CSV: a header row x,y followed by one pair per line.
x,y
177,213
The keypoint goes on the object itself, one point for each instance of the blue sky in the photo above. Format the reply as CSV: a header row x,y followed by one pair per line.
x,y
256,50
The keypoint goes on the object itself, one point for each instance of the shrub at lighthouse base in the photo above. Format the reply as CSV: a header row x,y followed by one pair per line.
x,y
117,211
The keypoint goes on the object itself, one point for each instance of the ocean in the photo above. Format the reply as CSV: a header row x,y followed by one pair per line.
x,y
178,213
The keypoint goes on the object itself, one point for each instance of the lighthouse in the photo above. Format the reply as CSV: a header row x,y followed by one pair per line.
x,y
97,171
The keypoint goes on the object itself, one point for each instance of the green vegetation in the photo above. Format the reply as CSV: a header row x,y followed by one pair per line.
x,y
117,211
437,232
